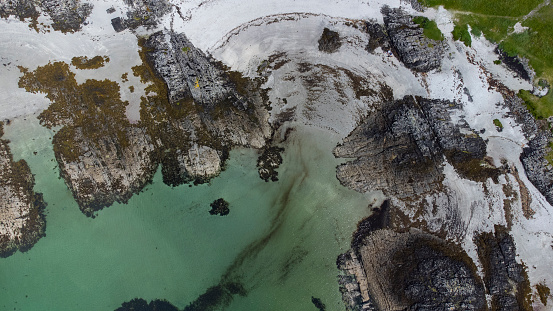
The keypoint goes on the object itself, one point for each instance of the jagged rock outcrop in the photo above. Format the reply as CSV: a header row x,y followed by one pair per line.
x,y
506,280
400,148
108,170
329,41
414,49
67,15
22,221
141,13
208,106
389,269
536,166
268,163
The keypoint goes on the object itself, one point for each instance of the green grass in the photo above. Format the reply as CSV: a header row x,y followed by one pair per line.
x,y
497,123
512,8
461,33
495,19
430,27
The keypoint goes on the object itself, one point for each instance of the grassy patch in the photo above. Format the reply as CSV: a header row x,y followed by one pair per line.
x,y
496,20
499,8
461,33
497,123
541,108
430,27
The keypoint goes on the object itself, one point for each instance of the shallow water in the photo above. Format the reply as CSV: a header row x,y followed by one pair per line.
x,y
280,240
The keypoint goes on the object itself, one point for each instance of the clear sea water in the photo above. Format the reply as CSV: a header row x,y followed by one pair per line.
x,y
280,239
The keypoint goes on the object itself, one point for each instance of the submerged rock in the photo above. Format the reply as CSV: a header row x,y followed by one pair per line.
x,y
219,207
22,221
139,304
268,163
414,49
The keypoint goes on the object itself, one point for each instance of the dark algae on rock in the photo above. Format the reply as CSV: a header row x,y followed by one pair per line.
x,y
268,163
219,207
139,304
22,220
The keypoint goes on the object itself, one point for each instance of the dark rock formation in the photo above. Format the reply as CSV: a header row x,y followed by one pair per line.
x,y
536,166
505,279
67,15
206,108
268,162
22,221
329,41
318,303
139,304
219,207
414,49
141,13
400,149
520,67
410,270
19,8
377,37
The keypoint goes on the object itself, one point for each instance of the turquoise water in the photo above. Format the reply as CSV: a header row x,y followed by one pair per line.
x,y
280,239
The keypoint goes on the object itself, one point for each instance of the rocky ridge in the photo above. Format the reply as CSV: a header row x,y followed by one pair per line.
x,y
22,221
400,148
413,48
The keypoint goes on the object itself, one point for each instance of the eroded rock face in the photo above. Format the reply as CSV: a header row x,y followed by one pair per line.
x,y
400,148
102,157
537,168
414,49
504,277
108,170
22,221
411,270
228,105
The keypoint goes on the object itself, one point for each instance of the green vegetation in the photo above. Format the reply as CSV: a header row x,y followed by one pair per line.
x,y
496,19
497,61
497,123
185,49
83,62
461,33
499,8
430,27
